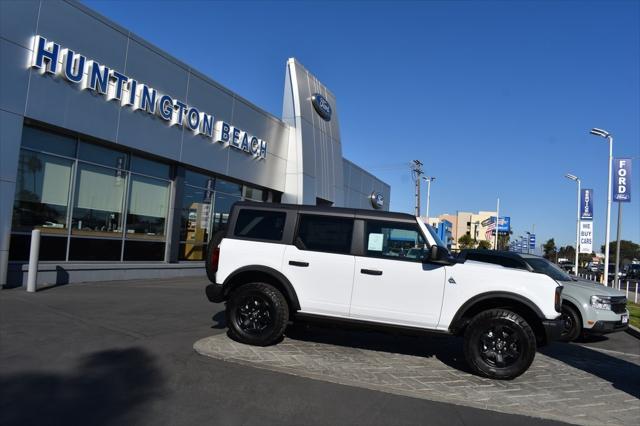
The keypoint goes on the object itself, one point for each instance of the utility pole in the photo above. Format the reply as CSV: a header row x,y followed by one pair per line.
x,y
416,173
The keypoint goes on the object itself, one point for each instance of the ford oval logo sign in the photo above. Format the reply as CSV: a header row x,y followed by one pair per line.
x,y
377,200
321,105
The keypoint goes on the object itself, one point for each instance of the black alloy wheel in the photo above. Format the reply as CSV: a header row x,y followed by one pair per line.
x,y
254,314
499,346
257,314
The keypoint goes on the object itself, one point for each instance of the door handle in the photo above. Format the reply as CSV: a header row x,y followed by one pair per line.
x,y
370,272
296,263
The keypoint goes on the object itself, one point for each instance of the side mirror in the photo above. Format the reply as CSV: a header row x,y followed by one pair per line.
x,y
438,254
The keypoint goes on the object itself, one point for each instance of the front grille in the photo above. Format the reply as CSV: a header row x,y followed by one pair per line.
x,y
619,304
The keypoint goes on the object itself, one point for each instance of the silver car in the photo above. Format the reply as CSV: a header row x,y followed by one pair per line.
x,y
587,307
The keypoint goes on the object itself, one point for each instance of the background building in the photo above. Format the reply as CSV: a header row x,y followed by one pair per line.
x,y
479,226
128,160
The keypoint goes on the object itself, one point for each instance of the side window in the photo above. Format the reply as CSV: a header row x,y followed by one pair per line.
x,y
325,233
399,241
260,224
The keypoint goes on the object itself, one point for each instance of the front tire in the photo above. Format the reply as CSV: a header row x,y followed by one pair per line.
x,y
499,344
572,324
257,314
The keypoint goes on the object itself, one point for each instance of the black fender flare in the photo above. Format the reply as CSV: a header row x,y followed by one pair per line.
x,y
277,275
466,306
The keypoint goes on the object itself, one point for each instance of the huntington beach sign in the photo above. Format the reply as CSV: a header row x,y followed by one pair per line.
x,y
51,58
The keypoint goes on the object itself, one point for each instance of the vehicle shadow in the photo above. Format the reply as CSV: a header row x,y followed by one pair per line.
x,y
104,389
446,349
623,375
220,320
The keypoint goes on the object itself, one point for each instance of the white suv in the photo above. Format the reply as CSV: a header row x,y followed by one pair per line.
x,y
277,263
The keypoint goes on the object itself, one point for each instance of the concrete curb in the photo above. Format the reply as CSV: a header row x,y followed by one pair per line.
x,y
634,331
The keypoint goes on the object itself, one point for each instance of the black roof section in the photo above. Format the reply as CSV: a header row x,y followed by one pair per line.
x,y
361,213
498,253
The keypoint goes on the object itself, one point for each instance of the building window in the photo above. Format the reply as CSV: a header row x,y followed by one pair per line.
x,y
195,221
78,192
99,200
253,194
206,204
42,192
148,204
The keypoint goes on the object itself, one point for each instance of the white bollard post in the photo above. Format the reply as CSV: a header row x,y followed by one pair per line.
x,y
635,299
627,291
34,254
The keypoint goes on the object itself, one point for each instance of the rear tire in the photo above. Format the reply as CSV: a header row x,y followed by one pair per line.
x,y
573,324
499,344
257,314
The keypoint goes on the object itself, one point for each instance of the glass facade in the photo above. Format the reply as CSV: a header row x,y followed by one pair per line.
x,y
206,204
93,203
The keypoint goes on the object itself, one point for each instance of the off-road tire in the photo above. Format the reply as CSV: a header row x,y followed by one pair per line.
x,y
271,300
213,243
573,324
481,334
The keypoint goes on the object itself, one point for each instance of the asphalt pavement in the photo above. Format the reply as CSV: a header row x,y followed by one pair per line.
x,y
122,353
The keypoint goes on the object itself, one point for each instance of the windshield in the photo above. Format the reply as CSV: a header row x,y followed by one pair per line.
x,y
434,234
543,266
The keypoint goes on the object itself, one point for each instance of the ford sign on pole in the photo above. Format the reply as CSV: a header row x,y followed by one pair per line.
x,y
622,180
586,204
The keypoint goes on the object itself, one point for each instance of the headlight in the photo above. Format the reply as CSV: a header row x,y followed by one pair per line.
x,y
601,302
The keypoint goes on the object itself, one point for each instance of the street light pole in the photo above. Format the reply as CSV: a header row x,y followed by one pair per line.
x,y
429,179
577,180
607,135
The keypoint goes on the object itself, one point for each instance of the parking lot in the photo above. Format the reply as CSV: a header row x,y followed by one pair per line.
x,y
116,353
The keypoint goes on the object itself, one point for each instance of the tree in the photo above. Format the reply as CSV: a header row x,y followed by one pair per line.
x,y
628,250
484,245
567,252
503,240
549,249
466,242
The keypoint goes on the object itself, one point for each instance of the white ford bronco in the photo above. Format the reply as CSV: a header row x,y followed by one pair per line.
x,y
277,263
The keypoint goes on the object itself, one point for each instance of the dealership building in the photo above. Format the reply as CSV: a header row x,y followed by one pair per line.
x,y
128,160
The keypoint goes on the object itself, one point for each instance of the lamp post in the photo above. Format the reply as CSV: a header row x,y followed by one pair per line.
x,y
528,239
429,179
577,180
607,135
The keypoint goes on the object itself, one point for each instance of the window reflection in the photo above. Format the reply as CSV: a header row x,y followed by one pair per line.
x,y
194,222
42,192
222,207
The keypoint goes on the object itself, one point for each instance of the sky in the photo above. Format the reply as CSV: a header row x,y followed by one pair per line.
x,y
496,98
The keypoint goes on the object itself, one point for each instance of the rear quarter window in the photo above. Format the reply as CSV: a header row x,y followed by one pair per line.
x,y
329,234
260,224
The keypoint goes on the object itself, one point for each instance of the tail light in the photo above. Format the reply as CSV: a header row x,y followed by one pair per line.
x,y
215,259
